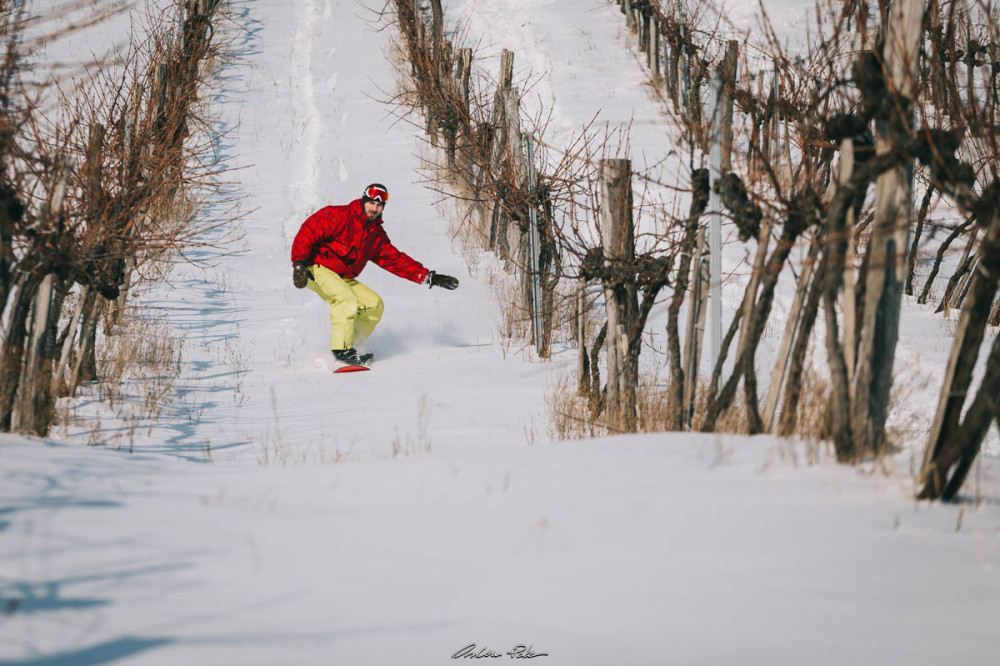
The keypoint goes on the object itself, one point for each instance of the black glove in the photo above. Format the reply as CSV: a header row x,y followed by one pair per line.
x,y
300,274
441,280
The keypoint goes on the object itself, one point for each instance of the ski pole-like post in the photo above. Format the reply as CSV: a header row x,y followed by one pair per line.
x,y
535,242
715,220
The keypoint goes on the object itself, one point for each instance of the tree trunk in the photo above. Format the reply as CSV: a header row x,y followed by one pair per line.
x,y
13,347
755,328
964,264
699,201
784,352
85,366
925,205
958,376
789,412
69,342
33,404
942,250
960,449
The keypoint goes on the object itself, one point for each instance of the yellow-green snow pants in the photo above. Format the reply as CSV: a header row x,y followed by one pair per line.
x,y
355,309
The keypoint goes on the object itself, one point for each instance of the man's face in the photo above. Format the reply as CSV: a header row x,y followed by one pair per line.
x,y
373,209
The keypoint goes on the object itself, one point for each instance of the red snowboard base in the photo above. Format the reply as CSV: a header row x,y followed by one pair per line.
x,y
352,368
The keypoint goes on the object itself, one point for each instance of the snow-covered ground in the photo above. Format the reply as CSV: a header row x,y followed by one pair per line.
x,y
400,515
639,550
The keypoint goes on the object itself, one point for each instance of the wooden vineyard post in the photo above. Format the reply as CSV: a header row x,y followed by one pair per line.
x,y
728,72
497,146
654,48
457,141
887,266
583,361
695,327
618,234
514,234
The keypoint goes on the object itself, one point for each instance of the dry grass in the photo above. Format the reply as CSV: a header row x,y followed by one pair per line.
x,y
813,422
142,365
139,364
407,446
794,451
570,415
514,328
274,449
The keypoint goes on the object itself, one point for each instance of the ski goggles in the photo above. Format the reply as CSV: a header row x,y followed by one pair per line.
x,y
376,193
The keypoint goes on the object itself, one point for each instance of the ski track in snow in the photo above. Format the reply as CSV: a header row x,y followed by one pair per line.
x,y
304,188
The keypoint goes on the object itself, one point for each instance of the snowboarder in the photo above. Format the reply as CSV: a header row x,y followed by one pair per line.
x,y
332,248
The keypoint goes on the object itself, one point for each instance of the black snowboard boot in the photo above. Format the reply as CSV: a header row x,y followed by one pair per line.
x,y
351,356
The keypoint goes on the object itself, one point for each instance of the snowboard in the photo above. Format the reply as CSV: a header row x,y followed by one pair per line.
x,y
352,368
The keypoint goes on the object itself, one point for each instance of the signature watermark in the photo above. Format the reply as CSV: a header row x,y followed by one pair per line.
x,y
473,651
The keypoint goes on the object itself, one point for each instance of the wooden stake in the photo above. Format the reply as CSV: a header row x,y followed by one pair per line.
x,y
887,267
850,304
695,325
654,49
728,73
618,236
583,361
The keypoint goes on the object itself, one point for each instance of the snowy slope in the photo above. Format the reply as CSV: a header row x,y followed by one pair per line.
x,y
641,550
304,129
399,515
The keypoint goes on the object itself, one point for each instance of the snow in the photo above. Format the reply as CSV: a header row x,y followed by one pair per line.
x,y
689,549
278,514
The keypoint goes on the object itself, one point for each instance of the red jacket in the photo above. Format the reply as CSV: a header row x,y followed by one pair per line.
x,y
342,239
